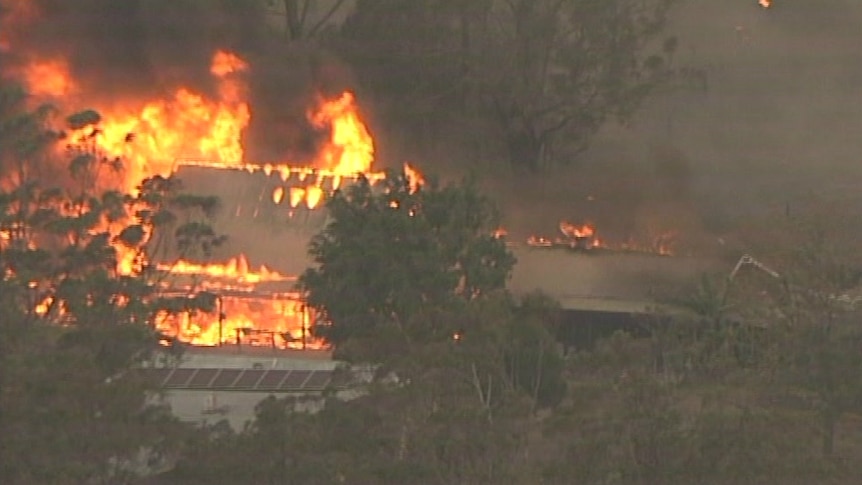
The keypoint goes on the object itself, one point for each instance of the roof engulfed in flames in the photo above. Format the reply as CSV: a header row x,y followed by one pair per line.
x,y
188,127
235,269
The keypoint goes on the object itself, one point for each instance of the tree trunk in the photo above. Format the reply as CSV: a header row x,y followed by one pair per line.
x,y
294,24
525,148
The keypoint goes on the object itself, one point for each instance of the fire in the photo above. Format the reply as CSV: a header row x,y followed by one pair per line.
x,y
225,63
273,320
414,178
156,136
296,196
351,149
235,269
150,136
577,232
349,154
278,195
313,196
765,3
244,315
585,237
49,78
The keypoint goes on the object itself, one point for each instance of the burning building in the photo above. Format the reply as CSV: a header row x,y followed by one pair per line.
x,y
185,105
170,104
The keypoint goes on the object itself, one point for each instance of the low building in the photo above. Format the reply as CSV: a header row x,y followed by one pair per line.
x,y
207,385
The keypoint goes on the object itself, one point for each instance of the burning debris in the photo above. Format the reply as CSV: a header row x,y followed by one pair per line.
x,y
268,319
584,237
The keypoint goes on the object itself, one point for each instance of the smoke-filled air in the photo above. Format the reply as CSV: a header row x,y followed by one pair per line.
x,y
430,241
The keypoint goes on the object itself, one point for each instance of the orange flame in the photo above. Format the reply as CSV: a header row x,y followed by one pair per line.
x,y
585,237
278,321
296,196
577,232
765,3
225,63
351,148
278,195
149,137
313,196
236,269
414,178
48,78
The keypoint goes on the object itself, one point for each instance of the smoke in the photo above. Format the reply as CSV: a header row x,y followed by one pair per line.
x,y
146,49
775,123
777,118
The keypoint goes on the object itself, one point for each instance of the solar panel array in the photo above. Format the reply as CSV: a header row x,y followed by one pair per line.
x,y
272,380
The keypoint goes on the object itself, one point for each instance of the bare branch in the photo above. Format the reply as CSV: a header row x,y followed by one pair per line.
x,y
320,23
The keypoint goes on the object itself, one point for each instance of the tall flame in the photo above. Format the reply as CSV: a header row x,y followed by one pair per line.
x,y
150,137
351,148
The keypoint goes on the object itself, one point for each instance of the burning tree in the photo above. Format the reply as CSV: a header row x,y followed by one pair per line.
x,y
393,252
74,321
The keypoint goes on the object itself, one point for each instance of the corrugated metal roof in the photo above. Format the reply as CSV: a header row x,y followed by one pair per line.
x,y
272,380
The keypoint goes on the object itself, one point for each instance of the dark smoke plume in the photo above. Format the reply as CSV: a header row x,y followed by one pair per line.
x,y
145,49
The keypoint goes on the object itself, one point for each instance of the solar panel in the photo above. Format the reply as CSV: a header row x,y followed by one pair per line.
x,y
272,379
295,380
203,377
248,379
179,377
318,380
226,378
157,376
277,380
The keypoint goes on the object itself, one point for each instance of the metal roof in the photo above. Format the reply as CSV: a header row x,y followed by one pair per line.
x,y
255,380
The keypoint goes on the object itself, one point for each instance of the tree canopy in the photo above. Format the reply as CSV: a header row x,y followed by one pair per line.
x,y
395,250
77,302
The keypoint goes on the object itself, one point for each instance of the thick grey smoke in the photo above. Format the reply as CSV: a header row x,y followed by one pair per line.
x,y
777,122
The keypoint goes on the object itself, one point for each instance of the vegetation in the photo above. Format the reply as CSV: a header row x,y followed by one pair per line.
x,y
73,323
392,252
757,381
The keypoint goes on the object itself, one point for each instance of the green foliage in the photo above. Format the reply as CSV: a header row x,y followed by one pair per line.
x,y
73,327
68,393
390,253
